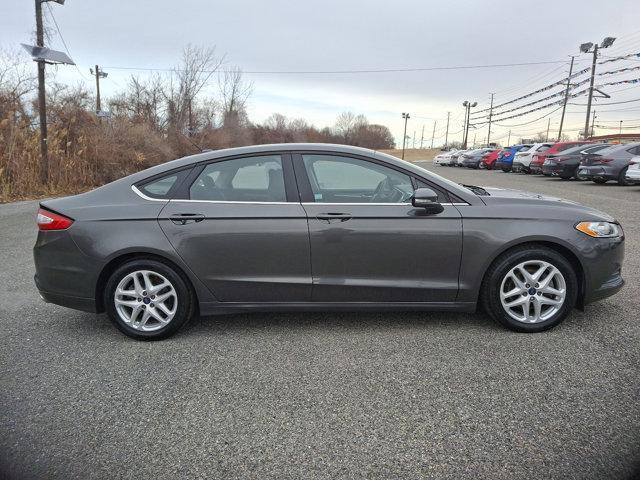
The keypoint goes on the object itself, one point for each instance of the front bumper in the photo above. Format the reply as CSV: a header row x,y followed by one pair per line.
x,y
602,267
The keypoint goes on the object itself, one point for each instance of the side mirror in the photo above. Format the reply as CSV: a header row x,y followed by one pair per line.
x,y
427,199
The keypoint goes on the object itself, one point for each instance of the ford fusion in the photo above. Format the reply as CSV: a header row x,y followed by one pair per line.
x,y
316,227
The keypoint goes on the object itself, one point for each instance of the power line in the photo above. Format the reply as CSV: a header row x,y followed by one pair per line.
x,y
382,70
62,38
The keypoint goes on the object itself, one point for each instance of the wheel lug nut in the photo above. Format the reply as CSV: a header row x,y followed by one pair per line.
x,y
524,294
139,299
151,305
143,307
537,285
539,293
153,296
527,285
532,298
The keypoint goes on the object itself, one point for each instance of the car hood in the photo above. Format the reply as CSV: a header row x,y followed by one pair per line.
x,y
506,197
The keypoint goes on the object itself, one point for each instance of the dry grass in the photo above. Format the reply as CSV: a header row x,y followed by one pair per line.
x,y
414,154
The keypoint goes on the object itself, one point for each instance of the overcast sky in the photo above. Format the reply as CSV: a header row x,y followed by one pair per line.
x,y
270,35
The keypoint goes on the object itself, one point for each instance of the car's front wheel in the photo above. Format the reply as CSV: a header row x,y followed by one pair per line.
x,y
147,299
530,289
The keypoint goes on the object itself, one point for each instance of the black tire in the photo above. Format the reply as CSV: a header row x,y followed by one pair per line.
x,y
506,170
185,299
490,291
565,177
599,181
621,178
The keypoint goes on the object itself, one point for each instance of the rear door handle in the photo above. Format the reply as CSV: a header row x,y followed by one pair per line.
x,y
343,217
184,218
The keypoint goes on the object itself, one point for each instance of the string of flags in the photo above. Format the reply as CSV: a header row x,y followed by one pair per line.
x,y
623,57
564,81
543,89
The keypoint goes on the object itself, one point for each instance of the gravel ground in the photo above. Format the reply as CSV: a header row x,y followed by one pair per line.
x,y
339,395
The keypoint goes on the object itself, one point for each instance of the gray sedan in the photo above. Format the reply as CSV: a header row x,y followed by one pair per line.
x,y
610,163
318,227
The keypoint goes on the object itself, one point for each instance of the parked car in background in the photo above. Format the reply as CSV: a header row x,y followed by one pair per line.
x,y
538,159
524,156
473,158
489,159
609,164
444,158
454,158
322,228
565,164
633,172
505,159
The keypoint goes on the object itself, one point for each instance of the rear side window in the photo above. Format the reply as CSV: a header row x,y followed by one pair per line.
x,y
246,179
162,187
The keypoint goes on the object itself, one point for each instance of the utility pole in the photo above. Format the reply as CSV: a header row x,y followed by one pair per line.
x,y
593,122
98,74
593,76
464,126
548,126
474,140
42,102
509,138
414,139
566,98
422,137
446,135
490,115
467,104
433,134
404,135
620,127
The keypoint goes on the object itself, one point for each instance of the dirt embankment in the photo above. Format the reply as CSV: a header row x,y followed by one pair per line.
x,y
413,154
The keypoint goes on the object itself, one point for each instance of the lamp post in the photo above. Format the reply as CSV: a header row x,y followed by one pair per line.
x,y
586,48
406,117
467,104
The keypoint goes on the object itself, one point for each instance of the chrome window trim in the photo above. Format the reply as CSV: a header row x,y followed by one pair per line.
x,y
233,202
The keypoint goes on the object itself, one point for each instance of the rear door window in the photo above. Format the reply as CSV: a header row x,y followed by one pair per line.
x,y
162,187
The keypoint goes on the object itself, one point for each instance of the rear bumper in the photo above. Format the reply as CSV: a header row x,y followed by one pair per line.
x,y
64,275
558,169
535,168
69,301
520,167
633,175
597,172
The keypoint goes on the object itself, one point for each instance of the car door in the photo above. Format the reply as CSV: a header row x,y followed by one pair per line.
x,y
368,243
240,227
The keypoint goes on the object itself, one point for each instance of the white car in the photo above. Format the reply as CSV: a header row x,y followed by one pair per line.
x,y
633,172
524,156
444,158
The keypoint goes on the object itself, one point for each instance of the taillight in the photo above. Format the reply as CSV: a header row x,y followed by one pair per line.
x,y
604,160
52,221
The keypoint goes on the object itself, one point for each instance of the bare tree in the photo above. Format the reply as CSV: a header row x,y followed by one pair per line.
x,y
234,92
197,67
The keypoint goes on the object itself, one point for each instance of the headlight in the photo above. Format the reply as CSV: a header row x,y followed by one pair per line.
x,y
600,229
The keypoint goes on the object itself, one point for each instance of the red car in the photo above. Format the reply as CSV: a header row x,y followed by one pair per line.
x,y
538,159
489,159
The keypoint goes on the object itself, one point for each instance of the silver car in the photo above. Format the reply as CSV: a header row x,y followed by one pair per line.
x,y
633,172
609,164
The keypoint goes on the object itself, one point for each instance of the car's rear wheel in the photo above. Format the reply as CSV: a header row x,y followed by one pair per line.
x,y
148,300
530,289
599,181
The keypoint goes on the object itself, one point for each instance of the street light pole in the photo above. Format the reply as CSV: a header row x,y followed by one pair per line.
x,y
566,98
404,136
593,76
490,117
446,135
468,106
620,127
433,134
585,48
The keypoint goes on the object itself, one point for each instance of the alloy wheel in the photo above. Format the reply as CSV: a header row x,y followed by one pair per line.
x,y
145,300
533,291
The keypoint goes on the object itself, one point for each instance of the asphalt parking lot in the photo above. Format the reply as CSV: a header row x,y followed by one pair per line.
x,y
339,395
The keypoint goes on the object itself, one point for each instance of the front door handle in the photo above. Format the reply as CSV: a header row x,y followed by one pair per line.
x,y
343,217
184,218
